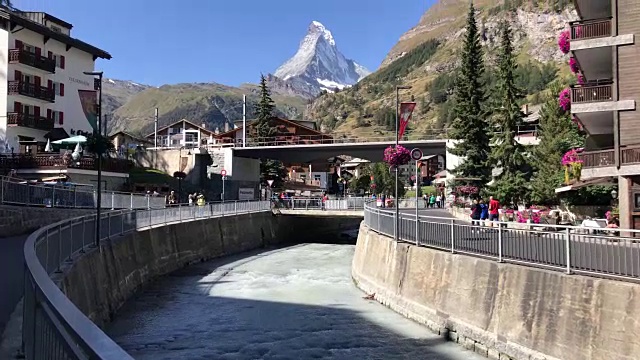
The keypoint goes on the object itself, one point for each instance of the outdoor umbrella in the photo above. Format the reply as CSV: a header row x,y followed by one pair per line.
x,y
78,139
47,148
78,148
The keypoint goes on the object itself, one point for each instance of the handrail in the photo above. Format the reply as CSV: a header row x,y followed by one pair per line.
x,y
67,333
593,251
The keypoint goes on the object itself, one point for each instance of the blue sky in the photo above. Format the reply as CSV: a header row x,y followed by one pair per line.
x,y
160,42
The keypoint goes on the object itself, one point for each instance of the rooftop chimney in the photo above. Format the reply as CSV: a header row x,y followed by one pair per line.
x,y
217,131
226,127
525,109
204,125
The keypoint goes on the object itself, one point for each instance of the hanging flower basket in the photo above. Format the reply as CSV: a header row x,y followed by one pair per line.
x,y
572,165
573,64
397,155
564,41
580,79
467,190
564,99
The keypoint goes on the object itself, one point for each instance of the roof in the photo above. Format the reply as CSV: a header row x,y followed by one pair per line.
x,y
17,18
56,134
179,121
129,135
294,123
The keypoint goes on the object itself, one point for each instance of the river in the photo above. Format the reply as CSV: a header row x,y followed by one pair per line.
x,y
291,303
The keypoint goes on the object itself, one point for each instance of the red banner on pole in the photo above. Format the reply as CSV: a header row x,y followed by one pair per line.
x,y
406,110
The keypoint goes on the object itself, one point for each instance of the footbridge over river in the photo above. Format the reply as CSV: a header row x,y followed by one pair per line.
x,y
493,291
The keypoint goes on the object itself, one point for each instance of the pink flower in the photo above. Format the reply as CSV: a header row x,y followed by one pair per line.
x,y
578,123
573,64
396,156
564,99
564,42
580,79
571,157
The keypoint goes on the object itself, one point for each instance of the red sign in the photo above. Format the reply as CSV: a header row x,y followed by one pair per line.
x,y
223,172
406,110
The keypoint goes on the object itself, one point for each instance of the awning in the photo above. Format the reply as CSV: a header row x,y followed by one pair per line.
x,y
56,134
609,180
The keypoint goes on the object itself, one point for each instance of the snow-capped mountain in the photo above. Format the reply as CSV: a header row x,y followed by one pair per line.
x,y
319,65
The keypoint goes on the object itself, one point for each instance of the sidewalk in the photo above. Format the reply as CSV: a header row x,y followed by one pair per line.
x,y
12,283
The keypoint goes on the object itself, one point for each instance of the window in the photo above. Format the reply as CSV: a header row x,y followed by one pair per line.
x,y
190,137
58,88
59,59
58,117
317,177
28,109
56,29
29,48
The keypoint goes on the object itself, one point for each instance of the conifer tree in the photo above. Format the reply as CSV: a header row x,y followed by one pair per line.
x,y
557,134
263,128
469,126
507,153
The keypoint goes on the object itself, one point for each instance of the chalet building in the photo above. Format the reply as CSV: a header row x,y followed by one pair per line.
x,y
44,67
603,43
183,133
287,132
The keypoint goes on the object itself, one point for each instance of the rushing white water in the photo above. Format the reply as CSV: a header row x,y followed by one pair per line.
x,y
292,303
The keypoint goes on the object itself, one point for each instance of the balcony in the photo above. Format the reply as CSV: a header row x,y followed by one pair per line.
x,y
58,161
31,90
599,158
30,121
590,29
592,92
630,155
30,59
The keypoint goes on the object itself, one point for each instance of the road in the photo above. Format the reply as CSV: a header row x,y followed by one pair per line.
x,y
11,281
291,303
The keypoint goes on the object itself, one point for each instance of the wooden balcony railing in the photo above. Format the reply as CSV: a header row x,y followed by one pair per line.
x,y
599,158
590,29
30,59
30,121
31,90
630,155
24,161
592,92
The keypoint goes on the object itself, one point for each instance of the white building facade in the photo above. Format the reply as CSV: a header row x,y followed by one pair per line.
x,y
41,71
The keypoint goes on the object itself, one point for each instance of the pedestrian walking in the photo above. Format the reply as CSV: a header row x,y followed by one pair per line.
x,y
439,201
475,214
432,201
494,210
484,212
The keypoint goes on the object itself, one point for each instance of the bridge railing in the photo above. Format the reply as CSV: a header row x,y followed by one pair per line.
x,y
316,203
53,327
612,253
20,192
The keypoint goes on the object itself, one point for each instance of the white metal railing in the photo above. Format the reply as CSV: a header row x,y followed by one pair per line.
x,y
16,192
53,327
316,203
613,253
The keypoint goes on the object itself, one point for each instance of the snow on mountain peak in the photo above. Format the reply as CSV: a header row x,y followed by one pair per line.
x,y
318,62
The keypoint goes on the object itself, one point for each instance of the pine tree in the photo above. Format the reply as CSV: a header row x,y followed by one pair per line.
x,y
469,126
557,134
263,128
507,153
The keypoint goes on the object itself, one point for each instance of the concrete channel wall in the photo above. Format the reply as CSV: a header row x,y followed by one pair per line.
x,y
502,311
100,281
19,220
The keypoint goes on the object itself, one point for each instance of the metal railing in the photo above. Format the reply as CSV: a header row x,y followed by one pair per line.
x,y
598,158
53,327
62,161
612,253
316,203
14,192
592,92
630,154
590,29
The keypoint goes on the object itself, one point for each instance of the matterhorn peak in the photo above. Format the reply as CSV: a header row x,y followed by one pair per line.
x,y
318,65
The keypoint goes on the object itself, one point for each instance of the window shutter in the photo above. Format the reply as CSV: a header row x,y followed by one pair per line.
x,y
61,89
17,107
36,111
18,44
50,84
38,51
50,55
61,118
62,61
18,76
49,114
38,80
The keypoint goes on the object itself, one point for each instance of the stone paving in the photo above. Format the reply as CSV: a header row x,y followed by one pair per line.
x,y
292,303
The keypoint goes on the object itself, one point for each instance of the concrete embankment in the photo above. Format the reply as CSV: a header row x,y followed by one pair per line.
x,y
100,281
19,220
503,311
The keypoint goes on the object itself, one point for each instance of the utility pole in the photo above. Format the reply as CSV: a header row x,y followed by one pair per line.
x,y
155,138
97,131
244,120
396,230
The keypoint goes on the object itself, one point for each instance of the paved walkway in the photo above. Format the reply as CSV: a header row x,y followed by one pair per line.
x,y
293,303
11,280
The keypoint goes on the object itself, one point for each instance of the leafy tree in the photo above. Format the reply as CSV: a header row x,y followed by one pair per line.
x,y
264,128
557,134
384,180
99,144
507,153
469,127
362,183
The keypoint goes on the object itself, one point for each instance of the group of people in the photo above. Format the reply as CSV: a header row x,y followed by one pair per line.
x,y
482,211
432,201
194,199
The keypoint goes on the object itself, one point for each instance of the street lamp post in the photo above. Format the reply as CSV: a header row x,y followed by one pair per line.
x,y
97,133
396,229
